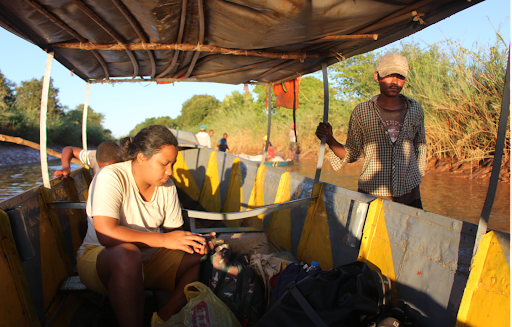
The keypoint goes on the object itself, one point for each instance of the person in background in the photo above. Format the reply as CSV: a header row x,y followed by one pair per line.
x,y
389,130
105,155
292,146
223,143
124,250
210,133
270,150
203,138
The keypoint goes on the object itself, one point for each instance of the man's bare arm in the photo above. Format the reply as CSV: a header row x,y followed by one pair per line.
x,y
325,130
67,154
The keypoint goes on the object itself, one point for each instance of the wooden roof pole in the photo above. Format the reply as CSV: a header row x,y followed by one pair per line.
x,y
137,30
68,29
180,38
326,119
201,37
195,47
42,120
110,31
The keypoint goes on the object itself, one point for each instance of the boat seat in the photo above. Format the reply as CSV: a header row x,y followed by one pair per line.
x,y
73,284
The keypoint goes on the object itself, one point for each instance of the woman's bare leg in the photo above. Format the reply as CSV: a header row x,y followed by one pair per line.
x,y
120,270
186,274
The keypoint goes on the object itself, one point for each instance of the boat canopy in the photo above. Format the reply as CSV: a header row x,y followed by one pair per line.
x,y
234,42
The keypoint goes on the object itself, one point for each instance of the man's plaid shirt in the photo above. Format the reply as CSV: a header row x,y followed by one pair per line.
x,y
389,169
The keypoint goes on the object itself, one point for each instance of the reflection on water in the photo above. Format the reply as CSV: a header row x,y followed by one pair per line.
x,y
445,194
15,179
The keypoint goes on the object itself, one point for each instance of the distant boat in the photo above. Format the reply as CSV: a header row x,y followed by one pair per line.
x,y
275,163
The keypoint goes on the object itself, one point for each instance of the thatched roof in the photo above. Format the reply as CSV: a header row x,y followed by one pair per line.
x,y
214,40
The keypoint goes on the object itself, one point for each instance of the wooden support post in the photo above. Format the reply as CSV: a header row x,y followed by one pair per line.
x,y
326,119
269,108
42,122
84,119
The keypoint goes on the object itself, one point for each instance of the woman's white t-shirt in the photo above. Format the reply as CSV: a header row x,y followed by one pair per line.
x,y
114,193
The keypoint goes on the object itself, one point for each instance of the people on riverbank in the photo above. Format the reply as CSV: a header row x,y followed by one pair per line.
x,y
292,145
210,133
105,155
204,138
124,250
222,144
389,131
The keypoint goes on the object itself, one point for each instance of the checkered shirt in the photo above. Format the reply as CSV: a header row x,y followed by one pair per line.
x,y
389,169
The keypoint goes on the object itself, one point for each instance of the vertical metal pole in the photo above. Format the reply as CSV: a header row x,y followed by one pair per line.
x,y
42,121
269,107
326,119
84,119
498,154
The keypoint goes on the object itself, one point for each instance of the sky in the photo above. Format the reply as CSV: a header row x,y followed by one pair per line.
x,y
125,105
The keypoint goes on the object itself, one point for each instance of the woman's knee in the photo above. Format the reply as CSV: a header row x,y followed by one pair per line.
x,y
122,256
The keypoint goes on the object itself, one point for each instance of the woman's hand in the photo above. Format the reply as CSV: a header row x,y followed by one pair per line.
x,y
187,242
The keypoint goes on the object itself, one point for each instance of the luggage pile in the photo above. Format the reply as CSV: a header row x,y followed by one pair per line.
x,y
259,294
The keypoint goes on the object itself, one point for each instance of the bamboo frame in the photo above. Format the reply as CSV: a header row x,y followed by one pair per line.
x,y
137,30
68,29
42,120
193,47
269,108
110,31
201,37
345,37
326,119
180,38
84,118
234,70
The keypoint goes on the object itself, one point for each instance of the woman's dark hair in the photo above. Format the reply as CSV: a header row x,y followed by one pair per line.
x,y
148,141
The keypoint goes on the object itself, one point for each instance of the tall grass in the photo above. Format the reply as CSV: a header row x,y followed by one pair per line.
x,y
461,92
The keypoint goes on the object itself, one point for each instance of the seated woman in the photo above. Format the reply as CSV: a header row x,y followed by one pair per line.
x,y
124,250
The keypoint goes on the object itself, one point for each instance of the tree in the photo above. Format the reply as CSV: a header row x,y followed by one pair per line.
x,y
164,120
354,77
196,109
7,96
28,99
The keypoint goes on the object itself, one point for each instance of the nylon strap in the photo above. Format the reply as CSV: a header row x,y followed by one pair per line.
x,y
304,304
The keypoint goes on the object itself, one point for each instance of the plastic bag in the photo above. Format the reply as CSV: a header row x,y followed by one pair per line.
x,y
203,309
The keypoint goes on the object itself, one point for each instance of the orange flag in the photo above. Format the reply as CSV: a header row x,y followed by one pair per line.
x,y
287,94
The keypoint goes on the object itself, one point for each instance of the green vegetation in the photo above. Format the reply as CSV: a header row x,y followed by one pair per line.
x,y
460,90
20,115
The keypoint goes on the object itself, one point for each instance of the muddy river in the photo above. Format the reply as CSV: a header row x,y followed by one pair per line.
x,y
445,194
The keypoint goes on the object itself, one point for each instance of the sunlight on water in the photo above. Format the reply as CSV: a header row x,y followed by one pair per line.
x,y
15,179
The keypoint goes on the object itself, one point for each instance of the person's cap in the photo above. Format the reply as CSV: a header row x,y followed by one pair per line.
x,y
292,126
203,127
392,63
264,138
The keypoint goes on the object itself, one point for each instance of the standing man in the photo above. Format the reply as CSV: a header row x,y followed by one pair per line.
x,y
223,143
389,131
203,138
292,146
95,159
210,133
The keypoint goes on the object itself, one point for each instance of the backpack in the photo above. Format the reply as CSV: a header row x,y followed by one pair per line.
x,y
342,297
230,276
292,273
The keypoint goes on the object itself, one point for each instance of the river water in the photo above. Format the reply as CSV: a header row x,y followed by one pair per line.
x,y
442,193
445,194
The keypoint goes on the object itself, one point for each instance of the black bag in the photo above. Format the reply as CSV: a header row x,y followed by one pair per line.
x,y
231,277
292,273
343,296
